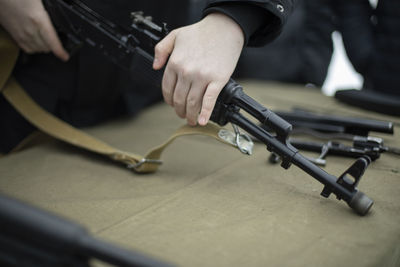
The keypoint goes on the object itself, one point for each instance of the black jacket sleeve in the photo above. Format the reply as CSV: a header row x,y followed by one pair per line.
x,y
260,20
357,29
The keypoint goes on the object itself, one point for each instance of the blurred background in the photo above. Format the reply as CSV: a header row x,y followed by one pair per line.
x,y
330,45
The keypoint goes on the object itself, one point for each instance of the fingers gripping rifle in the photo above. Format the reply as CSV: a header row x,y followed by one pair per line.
x,y
132,49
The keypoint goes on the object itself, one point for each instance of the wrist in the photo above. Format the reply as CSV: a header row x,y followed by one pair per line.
x,y
230,26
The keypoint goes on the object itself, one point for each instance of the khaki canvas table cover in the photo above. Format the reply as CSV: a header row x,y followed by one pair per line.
x,y
210,205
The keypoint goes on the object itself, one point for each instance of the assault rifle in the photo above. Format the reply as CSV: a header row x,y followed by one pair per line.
x,y
132,49
32,237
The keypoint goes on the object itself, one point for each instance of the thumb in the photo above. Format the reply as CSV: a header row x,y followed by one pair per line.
x,y
163,49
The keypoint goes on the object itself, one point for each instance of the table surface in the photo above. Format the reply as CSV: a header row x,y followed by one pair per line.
x,y
210,205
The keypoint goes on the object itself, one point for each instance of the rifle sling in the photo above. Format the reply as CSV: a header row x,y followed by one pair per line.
x,y
55,127
8,54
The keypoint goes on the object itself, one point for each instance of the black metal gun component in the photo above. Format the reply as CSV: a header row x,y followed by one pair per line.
x,y
132,49
227,109
33,237
362,146
335,124
334,127
370,100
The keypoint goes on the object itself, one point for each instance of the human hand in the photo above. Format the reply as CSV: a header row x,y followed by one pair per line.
x,y
202,58
30,26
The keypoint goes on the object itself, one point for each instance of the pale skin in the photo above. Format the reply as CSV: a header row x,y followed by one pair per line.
x,y
202,58
199,58
29,24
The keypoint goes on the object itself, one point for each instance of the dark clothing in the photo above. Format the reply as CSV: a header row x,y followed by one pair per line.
x,y
88,89
248,17
301,54
372,41
258,31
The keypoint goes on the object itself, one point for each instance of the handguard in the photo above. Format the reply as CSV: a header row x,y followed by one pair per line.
x,y
227,109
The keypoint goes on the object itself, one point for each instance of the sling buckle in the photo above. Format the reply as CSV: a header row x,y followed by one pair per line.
x,y
143,161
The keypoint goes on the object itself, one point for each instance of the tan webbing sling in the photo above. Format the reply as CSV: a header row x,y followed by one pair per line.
x,y
60,130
